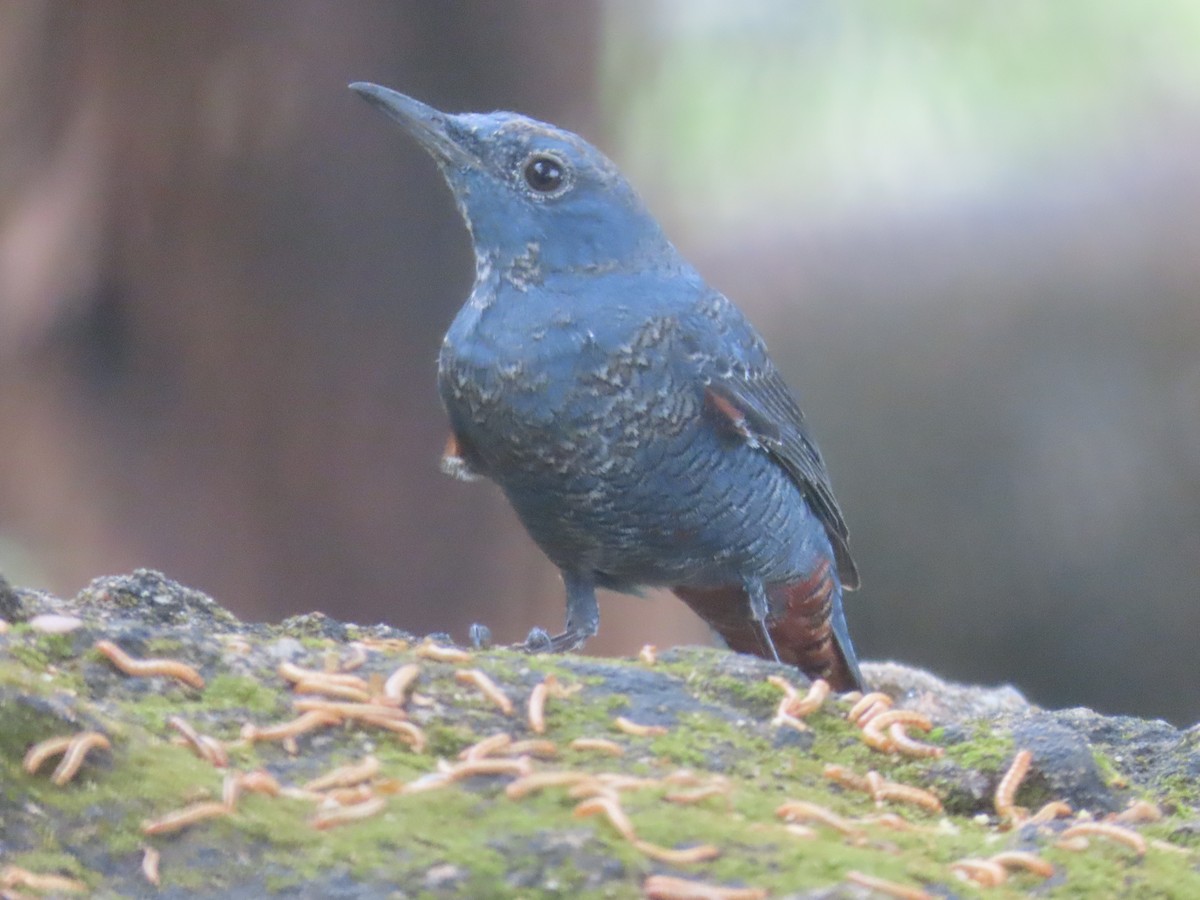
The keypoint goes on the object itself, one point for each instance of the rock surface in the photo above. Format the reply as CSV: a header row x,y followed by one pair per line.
x,y
456,834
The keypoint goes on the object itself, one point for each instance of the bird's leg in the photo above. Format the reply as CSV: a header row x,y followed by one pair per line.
x,y
480,636
583,618
759,607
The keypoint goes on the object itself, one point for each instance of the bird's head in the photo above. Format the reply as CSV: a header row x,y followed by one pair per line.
x,y
523,184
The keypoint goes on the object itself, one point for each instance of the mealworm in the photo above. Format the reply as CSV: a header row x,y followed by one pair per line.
x,y
1006,790
342,815
699,853
891,820
231,790
890,888
812,812
346,776
214,751
408,732
184,818
332,689
438,653
818,693
1021,859
348,709
905,793
908,746
542,749
307,721
607,784
76,751
150,860
874,786
401,681
696,795
877,740
561,691
872,729
867,702
846,778
1055,809
260,781
1138,811
43,750
209,749
235,643
610,807
432,781
296,674
348,796
537,781
789,689
486,747
491,766
983,872
14,877
637,729
782,718
668,887
908,717
599,745
487,687
389,645
169,668
1118,833
537,707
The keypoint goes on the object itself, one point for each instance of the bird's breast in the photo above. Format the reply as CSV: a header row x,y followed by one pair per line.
x,y
563,392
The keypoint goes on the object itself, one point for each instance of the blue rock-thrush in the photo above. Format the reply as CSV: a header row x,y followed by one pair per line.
x,y
629,412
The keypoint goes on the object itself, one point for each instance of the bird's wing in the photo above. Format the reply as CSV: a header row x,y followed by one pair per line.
x,y
747,392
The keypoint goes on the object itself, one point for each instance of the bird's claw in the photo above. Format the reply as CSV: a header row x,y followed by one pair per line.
x,y
538,641
480,636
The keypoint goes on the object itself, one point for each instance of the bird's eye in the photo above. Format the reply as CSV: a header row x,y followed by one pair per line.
x,y
544,174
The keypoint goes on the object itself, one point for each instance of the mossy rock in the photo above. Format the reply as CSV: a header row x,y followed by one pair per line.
x,y
709,712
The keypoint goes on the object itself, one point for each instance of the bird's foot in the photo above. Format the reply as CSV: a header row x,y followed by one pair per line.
x,y
480,636
539,641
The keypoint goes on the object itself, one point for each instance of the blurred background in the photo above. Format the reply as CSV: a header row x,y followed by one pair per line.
x,y
970,233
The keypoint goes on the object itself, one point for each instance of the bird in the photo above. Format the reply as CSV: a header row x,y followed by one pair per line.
x,y
628,411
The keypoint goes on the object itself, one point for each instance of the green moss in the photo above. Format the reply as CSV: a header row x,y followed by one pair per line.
x,y
239,692
706,742
56,648
26,679
445,739
151,710
1108,770
30,655
1180,791
491,840
165,647
984,751
615,704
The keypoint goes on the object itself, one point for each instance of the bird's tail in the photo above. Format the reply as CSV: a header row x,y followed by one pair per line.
x,y
806,624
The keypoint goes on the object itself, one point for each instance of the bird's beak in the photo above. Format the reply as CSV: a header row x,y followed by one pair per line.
x,y
432,128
